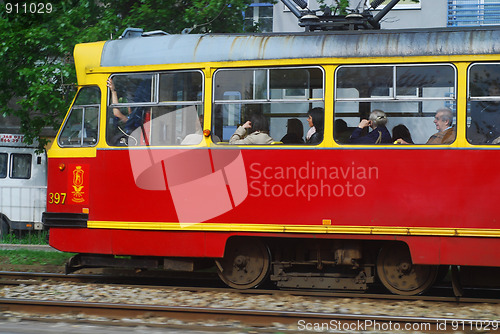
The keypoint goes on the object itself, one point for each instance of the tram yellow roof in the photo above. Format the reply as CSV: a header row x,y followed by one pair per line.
x,y
171,49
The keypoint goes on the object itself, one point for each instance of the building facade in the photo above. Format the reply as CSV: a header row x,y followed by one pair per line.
x,y
408,14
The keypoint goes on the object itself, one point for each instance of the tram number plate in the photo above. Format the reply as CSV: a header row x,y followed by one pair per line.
x,y
57,198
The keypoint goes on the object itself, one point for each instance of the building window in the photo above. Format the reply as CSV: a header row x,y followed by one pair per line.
x,y
473,12
259,17
402,4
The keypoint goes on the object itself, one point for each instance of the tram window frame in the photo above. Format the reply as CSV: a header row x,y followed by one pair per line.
x,y
4,170
86,129
16,170
479,105
163,121
264,92
413,107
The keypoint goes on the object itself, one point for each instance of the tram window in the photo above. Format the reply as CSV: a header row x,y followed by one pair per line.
x,y
483,112
81,127
168,112
180,86
369,81
410,95
3,165
171,125
282,95
88,96
250,84
134,88
436,81
20,166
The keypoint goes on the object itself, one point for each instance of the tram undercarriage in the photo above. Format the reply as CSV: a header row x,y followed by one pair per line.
x,y
331,265
349,265
324,265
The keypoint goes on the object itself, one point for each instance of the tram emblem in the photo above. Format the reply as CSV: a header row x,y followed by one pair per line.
x,y
78,185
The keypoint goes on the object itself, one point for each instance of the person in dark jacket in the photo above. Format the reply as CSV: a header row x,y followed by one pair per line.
x,y
379,134
315,118
401,135
294,133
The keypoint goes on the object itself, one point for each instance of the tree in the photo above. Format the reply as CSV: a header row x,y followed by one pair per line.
x,y
36,48
338,7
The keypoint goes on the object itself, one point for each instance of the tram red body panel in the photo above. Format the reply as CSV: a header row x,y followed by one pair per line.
x,y
131,242
423,181
415,188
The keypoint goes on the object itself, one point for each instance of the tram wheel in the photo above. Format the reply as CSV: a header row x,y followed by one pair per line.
x,y
246,263
399,275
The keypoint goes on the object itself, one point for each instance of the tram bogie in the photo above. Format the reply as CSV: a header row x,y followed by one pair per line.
x,y
323,264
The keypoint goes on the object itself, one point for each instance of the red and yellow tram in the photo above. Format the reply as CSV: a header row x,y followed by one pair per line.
x,y
144,164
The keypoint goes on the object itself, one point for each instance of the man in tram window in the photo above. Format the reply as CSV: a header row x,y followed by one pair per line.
x,y
379,134
444,124
485,119
133,117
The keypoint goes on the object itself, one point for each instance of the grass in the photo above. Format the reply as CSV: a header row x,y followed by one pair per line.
x,y
30,238
33,257
29,257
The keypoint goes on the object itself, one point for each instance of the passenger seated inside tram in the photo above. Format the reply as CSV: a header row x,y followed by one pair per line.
x,y
258,132
485,119
315,118
294,132
401,135
444,124
379,134
341,131
196,137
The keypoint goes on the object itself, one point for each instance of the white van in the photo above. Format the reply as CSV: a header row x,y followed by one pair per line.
x,y
23,184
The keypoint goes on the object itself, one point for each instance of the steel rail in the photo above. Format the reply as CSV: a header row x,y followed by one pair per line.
x,y
248,317
15,278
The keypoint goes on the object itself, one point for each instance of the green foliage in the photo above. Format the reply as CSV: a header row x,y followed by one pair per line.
x,y
33,257
37,71
26,238
338,7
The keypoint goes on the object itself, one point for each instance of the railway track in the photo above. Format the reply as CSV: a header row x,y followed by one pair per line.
x,y
293,320
16,278
301,321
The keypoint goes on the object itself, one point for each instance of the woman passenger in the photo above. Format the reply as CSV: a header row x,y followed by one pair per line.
x,y
294,132
258,132
315,118
401,135
379,134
